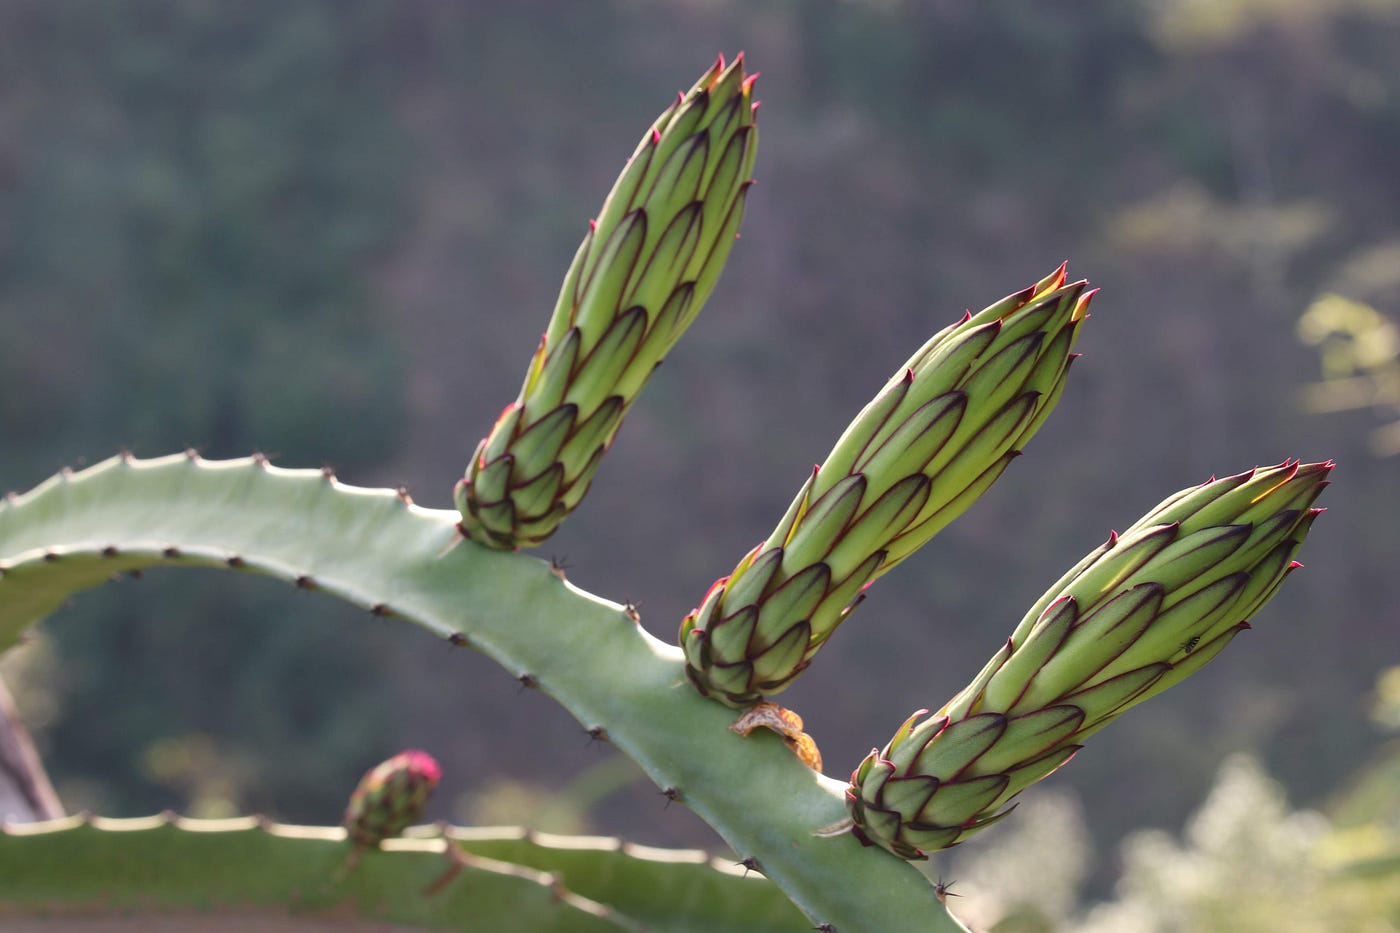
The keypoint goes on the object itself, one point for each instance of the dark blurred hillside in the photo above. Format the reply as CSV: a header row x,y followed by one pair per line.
x,y
335,231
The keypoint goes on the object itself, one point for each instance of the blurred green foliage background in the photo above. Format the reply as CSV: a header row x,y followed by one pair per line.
x,y
333,231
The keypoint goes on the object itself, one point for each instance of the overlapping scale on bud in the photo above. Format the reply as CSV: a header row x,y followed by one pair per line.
x,y
641,275
934,439
391,797
1143,612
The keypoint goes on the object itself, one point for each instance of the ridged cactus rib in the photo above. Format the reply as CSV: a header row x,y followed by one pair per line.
x,y
1141,613
936,437
666,889
165,869
644,270
399,560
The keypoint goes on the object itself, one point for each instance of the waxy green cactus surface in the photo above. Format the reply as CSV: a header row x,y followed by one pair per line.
x,y
398,560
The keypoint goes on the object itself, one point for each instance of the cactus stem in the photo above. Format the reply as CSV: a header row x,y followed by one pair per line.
x,y
456,861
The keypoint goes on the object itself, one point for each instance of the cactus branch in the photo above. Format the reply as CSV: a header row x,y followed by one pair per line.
x,y
372,548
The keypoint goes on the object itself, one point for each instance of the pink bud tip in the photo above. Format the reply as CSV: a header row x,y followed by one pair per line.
x,y
593,226
1112,537
1244,626
422,763
655,136
754,107
1295,565
747,86
908,376
719,62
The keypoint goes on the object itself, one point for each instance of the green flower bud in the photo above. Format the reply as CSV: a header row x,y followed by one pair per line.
x,y
391,797
640,277
1143,612
935,438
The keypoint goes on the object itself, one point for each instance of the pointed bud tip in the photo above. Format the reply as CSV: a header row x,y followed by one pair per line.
x,y
655,136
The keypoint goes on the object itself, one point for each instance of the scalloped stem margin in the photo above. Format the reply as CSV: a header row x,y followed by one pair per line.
x,y
378,550
243,867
